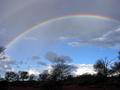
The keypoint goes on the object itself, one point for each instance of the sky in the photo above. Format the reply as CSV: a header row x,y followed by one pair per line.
x,y
81,30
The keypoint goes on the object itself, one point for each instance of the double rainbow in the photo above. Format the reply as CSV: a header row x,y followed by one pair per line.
x,y
57,19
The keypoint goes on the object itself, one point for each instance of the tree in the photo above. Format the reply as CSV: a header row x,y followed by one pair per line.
x,y
102,66
23,75
60,68
44,75
31,77
116,68
2,56
60,71
11,76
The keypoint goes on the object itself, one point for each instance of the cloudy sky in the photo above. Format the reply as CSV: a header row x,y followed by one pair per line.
x,y
81,30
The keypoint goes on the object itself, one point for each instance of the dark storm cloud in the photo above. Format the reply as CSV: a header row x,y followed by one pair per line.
x,y
19,15
54,58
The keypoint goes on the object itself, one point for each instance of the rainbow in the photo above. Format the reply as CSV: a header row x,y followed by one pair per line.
x,y
57,19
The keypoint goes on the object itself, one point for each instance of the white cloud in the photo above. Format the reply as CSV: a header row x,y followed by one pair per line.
x,y
81,69
84,68
6,65
109,39
33,71
74,44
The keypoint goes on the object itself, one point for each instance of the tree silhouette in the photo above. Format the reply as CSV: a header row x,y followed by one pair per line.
x,y
43,76
116,68
102,66
2,56
23,75
60,71
60,67
31,77
11,76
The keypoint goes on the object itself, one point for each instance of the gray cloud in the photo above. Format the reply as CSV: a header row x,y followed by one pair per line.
x,y
41,63
38,11
35,57
53,57
108,39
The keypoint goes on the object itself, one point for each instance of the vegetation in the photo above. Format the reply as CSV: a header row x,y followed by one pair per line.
x,y
102,67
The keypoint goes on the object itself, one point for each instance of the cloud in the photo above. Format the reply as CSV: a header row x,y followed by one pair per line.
x,y
84,68
42,63
110,38
35,57
74,44
54,58
33,71
6,65
80,69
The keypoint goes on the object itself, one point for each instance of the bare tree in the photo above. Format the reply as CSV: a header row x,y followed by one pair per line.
x,y
102,66
116,66
61,71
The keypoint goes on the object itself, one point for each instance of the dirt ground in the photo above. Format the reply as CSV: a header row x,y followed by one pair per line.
x,y
72,87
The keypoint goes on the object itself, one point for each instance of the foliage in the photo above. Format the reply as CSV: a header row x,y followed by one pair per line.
x,y
102,66
31,77
43,76
23,75
60,71
11,76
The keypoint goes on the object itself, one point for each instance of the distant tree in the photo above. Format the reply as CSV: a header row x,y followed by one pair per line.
x,y
11,76
43,76
61,71
2,55
1,78
116,68
31,77
23,75
102,66
60,68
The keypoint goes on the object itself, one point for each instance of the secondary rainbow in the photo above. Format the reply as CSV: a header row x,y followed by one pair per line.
x,y
57,19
